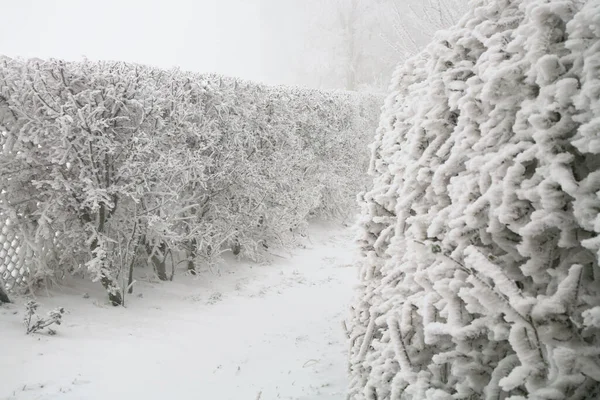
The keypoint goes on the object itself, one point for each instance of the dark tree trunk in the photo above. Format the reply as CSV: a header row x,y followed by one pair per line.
x,y
130,277
192,256
114,295
161,267
159,261
236,248
141,238
3,295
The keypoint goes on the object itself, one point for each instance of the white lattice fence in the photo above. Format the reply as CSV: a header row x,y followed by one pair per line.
x,y
13,255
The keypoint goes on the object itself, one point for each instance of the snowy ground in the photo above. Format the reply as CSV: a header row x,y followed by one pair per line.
x,y
254,332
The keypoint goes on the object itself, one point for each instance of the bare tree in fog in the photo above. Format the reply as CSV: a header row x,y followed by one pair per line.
x,y
355,44
408,26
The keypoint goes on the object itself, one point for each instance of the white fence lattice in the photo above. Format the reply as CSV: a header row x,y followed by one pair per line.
x,y
13,255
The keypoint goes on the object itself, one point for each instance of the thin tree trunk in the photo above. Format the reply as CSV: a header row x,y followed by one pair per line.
x,y
192,256
236,248
130,277
132,263
3,295
114,295
160,265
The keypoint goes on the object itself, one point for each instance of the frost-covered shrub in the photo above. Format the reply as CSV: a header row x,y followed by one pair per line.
x,y
480,238
106,165
34,323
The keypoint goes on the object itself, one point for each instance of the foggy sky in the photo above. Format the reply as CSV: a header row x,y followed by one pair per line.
x,y
251,39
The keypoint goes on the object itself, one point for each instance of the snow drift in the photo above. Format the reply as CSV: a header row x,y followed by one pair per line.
x,y
480,239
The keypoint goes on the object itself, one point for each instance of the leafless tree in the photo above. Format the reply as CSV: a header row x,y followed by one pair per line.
x,y
356,44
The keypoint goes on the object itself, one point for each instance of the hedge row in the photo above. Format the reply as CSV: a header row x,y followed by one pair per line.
x,y
108,165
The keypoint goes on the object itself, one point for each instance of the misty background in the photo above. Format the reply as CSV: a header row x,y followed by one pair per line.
x,y
331,44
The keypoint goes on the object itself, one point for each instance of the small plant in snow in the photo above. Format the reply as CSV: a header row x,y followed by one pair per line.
x,y
215,297
35,323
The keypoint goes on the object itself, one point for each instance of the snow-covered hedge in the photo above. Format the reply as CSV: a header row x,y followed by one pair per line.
x,y
480,239
128,163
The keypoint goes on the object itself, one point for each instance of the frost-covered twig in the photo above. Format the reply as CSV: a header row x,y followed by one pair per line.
x,y
34,323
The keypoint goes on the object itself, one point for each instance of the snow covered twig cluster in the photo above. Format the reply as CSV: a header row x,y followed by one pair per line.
x,y
108,165
34,323
481,236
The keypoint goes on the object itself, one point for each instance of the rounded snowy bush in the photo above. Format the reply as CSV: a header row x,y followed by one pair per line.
x,y
480,239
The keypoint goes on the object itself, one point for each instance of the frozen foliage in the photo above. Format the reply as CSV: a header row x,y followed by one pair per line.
x,y
35,323
480,238
109,165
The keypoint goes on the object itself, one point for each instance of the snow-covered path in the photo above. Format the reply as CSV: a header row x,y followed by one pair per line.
x,y
266,332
